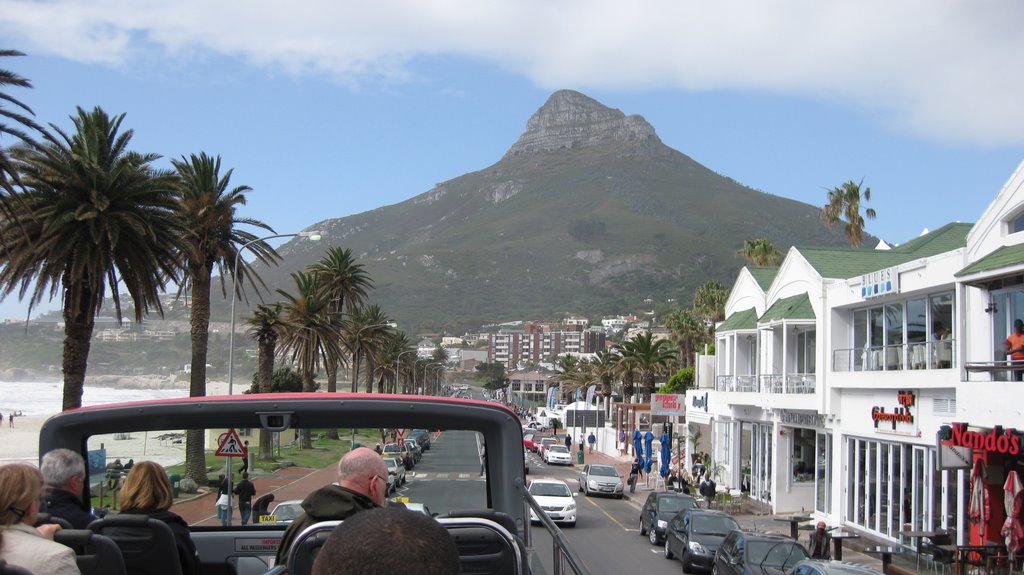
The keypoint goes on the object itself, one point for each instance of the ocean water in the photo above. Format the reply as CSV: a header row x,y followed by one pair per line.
x,y
44,398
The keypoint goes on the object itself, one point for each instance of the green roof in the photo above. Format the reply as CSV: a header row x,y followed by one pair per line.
x,y
849,262
795,307
746,319
1005,256
763,276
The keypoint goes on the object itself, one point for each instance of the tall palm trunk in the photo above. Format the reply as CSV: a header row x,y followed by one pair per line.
x,y
195,454
78,327
307,387
370,368
266,379
355,370
332,387
628,389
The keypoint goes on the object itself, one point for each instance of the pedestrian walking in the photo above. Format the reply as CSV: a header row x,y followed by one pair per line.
x,y
568,441
591,440
622,443
483,459
10,420
245,491
581,441
222,500
245,459
634,474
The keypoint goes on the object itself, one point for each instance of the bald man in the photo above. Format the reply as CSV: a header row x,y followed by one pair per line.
x,y
362,485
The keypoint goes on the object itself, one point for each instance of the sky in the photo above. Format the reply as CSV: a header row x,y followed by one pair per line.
x,y
328,108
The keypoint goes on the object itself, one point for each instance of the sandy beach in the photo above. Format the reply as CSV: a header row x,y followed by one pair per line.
x,y
21,442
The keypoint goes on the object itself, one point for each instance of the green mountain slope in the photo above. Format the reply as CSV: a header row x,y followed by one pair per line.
x,y
588,213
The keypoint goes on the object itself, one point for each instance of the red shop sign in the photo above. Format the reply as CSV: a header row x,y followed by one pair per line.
x,y
998,440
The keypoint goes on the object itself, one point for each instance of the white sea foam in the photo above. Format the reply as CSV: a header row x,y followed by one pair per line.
x,y
44,398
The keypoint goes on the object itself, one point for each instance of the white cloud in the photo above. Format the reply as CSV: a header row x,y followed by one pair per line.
x,y
943,70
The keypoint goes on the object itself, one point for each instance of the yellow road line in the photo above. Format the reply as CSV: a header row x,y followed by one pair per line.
x,y
614,520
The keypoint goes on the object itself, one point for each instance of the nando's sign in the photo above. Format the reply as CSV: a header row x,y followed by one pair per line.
x,y
997,439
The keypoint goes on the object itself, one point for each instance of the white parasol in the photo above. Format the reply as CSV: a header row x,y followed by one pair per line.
x,y
977,510
1012,530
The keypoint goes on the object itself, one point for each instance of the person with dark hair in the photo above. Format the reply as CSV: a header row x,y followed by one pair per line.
x,y
418,545
245,491
64,475
1015,349
362,485
147,491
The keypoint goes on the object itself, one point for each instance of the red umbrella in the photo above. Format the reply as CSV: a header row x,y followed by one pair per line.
x,y
977,510
1012,529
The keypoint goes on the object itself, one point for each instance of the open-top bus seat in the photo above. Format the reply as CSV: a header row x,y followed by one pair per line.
x,y
147,545
95,554
307,545
486,546
44,518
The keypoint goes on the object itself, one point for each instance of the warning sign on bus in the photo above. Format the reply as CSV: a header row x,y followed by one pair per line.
x,y
230,445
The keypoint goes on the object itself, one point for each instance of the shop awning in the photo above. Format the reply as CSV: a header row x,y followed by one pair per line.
x,y
790,308
746,319
1004,260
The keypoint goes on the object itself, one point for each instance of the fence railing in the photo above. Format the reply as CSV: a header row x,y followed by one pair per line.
x,y
905,356
767,383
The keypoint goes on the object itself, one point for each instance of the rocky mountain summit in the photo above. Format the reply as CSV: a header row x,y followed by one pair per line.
x,y
587,213
570,120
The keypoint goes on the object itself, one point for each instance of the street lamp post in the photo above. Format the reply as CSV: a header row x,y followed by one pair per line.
x,y
437,382
355,384
313,235
398,364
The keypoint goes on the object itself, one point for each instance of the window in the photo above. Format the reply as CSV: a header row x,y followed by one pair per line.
x,y
803,455
915,334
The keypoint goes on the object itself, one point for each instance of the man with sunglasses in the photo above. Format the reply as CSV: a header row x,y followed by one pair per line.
x,y
362,485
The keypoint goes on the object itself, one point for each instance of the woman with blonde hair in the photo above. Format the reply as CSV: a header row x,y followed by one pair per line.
x,y
147,491
21,491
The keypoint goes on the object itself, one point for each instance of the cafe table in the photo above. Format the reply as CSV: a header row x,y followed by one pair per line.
x,y
837,542
886,552
794,523
918,537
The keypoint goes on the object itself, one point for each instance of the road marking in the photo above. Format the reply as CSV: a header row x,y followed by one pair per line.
x,y
606,514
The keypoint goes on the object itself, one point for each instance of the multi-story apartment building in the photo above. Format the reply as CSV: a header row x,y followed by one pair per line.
x,y
510,347
864,385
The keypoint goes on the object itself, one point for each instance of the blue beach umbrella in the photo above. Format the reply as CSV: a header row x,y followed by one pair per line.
x,y
649,450
665,453
637,448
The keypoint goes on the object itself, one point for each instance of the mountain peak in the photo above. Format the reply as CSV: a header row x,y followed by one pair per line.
x,y
571,120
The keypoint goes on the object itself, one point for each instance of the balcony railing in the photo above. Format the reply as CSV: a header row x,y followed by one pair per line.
x,y
918,355
770,383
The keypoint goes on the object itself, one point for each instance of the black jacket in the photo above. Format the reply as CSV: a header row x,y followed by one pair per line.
x,y
187,554
325,504
63,504
245,491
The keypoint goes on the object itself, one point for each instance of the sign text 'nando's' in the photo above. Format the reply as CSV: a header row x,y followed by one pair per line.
x,y
998,440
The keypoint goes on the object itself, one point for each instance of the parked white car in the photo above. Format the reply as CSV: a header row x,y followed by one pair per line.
x,y
556,499
557,454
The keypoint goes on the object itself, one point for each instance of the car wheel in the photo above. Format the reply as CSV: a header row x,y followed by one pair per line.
x,y
714,569
619,496
685,560
654,536
668,551
643,530
581,488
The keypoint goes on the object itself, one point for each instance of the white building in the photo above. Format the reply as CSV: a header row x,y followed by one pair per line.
x,y
836,372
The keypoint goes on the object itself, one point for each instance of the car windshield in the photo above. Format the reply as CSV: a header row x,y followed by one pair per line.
x,y
558,449
287,511
714,525
603,470
549,490
674,504
779,554
287,465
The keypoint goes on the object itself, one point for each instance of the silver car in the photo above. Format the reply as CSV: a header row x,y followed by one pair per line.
x,y
598,479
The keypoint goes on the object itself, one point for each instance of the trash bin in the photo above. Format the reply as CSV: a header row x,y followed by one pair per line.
x,y
175,480
579,457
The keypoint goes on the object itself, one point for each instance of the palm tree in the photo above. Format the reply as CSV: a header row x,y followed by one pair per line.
x,y
652,358
207,208
844,207
604,368
760,252
92,215
19,123
266,326
311,331
346,284
709,301
626,368
364,331
687,333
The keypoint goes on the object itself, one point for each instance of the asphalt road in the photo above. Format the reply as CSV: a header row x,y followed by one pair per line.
x,y
606,536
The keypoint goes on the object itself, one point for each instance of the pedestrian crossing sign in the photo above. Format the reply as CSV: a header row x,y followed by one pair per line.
x,y
230,445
